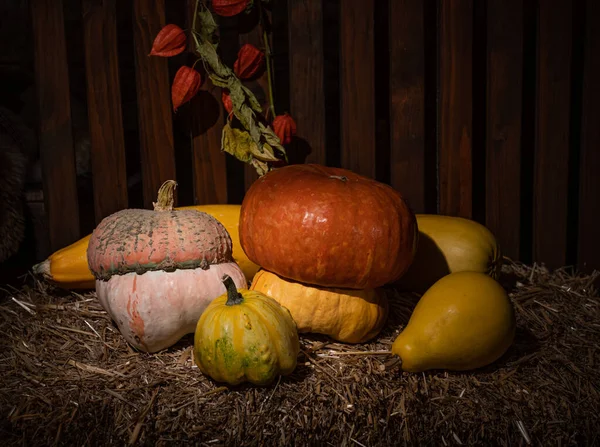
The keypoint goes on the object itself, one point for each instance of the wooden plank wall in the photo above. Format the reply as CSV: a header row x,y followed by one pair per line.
x,y
207,118
449,107
552,132
154,100
407,101
503,121
54,114
104,100
589,183
306,77
456,108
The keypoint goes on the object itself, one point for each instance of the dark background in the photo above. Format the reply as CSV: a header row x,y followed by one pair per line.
x,y
481,109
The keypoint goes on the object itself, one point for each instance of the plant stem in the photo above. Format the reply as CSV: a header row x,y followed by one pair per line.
x,y
269,77
195,15
193,30
165,201
268,60
233,296
196,61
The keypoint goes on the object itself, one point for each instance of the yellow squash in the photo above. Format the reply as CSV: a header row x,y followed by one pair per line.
x,y
463,322
346,315
245,336
229,216
450,244
68,267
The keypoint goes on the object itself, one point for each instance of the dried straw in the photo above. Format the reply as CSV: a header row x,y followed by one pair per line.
x,y
67,377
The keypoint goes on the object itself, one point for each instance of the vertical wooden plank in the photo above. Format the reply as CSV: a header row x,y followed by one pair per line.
x,y
504,112
456,108
357,88
229,45
55,134
154,100
210,176
307,101
552,132
407,100
251,32
589,187
209,163
104,107
34,201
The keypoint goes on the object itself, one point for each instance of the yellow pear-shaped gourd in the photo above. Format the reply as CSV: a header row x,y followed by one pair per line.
x,y
245,336
463,322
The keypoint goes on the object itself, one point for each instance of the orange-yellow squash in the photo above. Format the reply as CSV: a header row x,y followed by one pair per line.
x,y
346,315
68,267
245,336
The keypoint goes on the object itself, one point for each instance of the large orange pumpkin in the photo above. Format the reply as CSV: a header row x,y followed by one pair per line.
x,y
327,226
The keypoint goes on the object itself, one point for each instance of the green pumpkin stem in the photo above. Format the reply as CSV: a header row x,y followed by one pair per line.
x,y
233,296
165,200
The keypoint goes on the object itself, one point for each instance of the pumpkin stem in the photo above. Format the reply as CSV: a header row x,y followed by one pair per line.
x,y
165,200
233,296
343,178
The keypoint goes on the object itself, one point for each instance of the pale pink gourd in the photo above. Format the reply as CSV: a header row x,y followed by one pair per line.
x,y
156,271
154,310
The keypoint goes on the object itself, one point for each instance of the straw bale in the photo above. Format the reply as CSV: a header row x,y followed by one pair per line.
x,y
68,378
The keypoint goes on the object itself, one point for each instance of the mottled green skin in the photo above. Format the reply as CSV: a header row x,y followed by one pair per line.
x,y
253,341
224,352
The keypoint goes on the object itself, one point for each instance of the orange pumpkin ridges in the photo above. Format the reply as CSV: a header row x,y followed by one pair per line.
x,y
346,315
327,226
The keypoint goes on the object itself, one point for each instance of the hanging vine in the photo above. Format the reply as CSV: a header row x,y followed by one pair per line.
x,y
247,134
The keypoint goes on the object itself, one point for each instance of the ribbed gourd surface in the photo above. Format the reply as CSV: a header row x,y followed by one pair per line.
x,y
136,240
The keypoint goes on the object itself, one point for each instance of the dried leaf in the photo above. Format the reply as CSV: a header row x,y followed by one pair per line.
x,y
240,144
272,139
245,106
233,145
265,153
254,104
208,27
261,167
